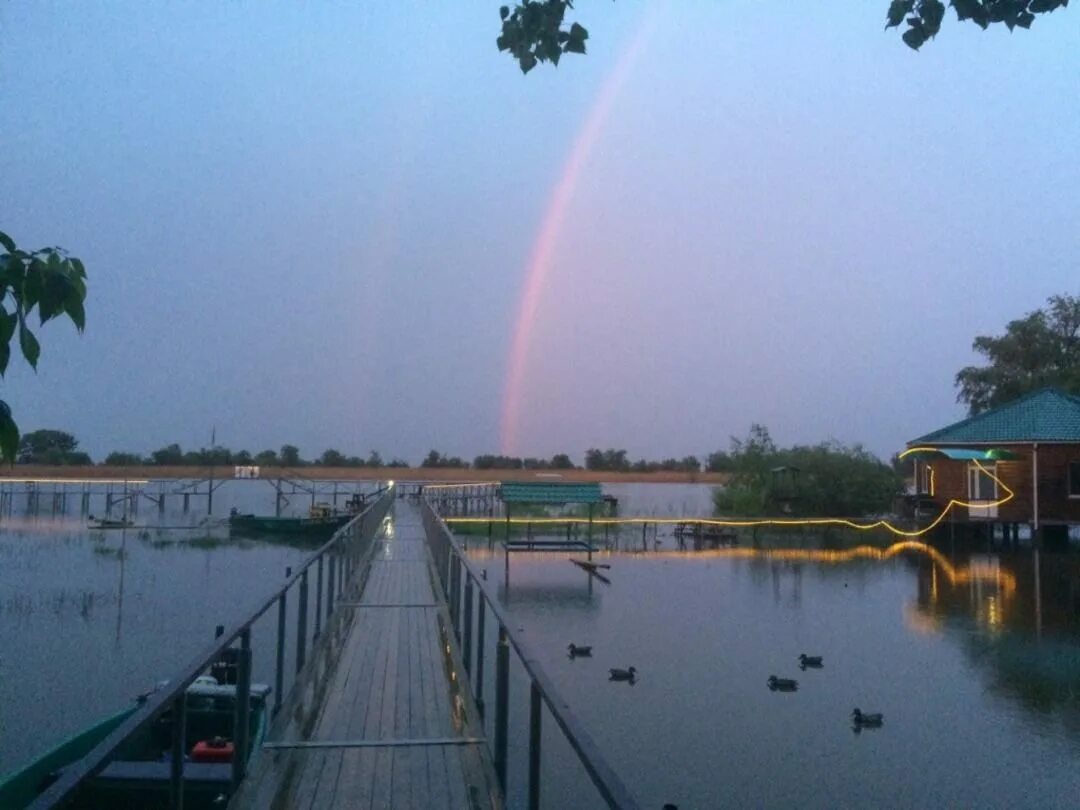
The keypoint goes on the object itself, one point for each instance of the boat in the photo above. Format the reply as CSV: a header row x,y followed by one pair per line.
x,y
110,523
321,522
139,775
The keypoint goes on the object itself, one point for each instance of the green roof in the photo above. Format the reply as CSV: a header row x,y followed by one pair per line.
x,y
547,492
1048,415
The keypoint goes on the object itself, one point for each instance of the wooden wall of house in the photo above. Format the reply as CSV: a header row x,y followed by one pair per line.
x,y
1055,505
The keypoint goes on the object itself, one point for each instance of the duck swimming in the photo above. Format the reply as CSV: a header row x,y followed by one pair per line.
x,y
782,684
623,674
812,661
867,720
575,651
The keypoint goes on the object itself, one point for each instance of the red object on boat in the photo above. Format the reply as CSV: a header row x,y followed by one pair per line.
x,y
217,750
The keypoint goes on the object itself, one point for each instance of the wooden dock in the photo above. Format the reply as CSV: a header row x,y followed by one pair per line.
x,y
377,721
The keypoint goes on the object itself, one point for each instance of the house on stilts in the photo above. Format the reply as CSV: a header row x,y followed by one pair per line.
x,y
1012,472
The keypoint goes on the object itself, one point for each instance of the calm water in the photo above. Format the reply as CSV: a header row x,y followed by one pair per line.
x,y
979,681
90,619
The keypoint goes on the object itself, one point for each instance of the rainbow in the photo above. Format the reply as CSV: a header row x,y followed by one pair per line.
x,y
539,263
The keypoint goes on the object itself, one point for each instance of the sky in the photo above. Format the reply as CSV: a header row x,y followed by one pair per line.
x,y
358,225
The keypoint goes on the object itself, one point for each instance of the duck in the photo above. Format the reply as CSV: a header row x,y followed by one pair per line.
x,y
782,684
812,661
576,650
623,674
866,720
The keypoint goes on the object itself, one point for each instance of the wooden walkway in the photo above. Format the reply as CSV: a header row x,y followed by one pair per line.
x,y
378,724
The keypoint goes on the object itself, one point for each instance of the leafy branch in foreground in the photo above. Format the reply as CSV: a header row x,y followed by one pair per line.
x,y
534,30
924,17
48,280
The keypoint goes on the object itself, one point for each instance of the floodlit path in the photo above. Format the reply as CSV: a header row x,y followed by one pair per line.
x,y
378,724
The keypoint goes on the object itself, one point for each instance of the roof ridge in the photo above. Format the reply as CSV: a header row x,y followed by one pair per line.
x,y
989,416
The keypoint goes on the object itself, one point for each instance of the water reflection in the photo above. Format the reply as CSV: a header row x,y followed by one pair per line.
x,y
973,657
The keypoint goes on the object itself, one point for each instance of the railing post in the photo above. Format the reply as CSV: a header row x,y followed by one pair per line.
x,y
301,623
330,587
179,749
480,654
534,747
466,648
318,597
502,697
279,665
456,613
243,699
279,683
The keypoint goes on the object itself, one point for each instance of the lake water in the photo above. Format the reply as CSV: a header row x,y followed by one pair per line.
x,y
89,619
974,658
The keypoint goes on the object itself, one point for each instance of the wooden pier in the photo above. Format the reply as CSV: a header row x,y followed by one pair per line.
x,y
379,720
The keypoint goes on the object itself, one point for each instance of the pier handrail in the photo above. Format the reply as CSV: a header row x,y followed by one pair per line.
x,y
344,545
451,561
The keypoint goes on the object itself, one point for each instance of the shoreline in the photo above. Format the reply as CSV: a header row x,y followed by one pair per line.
x,y
441,474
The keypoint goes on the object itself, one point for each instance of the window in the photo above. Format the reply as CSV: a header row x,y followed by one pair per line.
x,y
924,480
981,486
1074,479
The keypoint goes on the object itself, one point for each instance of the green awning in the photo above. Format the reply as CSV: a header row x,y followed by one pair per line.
x,y
964,454
550,493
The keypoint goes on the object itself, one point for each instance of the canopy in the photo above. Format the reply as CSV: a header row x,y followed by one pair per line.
x,y
963,453
549,493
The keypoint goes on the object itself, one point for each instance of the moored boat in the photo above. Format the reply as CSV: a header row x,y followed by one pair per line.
x,y
110,523
321,522
139,775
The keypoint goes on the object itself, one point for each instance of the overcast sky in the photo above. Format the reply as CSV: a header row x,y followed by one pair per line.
x,y
313,222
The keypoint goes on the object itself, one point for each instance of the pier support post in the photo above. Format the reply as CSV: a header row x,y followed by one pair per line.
x,y
301,623
466,648
179,749
534,747
279,664
243,699
502,697
480,655
318,597
330,589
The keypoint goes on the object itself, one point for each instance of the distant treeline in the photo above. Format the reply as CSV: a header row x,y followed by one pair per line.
x,y
56,447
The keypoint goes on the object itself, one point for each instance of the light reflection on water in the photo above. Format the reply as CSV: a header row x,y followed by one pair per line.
x,y
978,679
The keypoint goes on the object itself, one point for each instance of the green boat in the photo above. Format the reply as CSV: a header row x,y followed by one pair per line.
x,y
320,523
139,775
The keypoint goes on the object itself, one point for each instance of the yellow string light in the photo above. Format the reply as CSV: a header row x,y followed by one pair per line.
x,y
759,522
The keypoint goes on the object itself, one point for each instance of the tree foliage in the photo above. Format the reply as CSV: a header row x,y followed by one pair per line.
x,y
923,18
50,447
290,455
609,460
1041,349
823,480
122,459
435,460
536,31
47,280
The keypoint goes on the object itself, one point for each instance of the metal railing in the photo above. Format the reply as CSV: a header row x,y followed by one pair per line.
x,y
466,596
332,567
